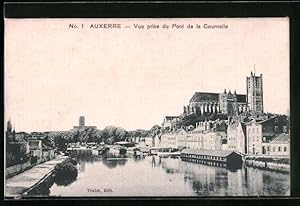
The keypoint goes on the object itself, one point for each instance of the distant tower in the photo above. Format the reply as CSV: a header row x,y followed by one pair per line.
x,y
81,121
9,129
255,94
9,126
14,133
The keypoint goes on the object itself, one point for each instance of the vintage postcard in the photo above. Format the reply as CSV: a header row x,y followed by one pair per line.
x,y
147,107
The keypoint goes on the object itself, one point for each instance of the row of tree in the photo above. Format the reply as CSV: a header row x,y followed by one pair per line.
x,y
108,135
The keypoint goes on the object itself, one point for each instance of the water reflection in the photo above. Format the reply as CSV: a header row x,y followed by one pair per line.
x,y
156,161
64,174
207,180
114,162
155,176
82,165
138,158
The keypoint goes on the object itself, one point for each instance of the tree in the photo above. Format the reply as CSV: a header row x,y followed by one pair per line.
x,y
61,143
155,130
113,134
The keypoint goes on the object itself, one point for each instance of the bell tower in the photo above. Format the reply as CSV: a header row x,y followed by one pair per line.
x,y
255,94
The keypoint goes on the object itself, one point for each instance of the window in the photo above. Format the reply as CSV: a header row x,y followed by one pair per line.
x,y
279,149
263,150
284,149
273,149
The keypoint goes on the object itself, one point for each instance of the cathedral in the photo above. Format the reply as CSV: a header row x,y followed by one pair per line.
x,y
229,103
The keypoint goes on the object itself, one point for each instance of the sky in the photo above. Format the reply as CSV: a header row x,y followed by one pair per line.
x,y
131,77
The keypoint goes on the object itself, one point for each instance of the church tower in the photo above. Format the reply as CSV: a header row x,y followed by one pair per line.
x,y
81,121
9,126
255,94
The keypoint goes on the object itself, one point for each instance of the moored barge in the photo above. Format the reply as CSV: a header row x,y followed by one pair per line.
x,y
218,158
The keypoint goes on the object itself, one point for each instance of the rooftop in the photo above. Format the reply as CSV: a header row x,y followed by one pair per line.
x,y
204,96
209,96
266,120
34,144
219,153
281,138
171,117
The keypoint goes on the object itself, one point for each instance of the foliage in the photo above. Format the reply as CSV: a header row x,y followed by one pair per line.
x,y
138,133
113,134
109,135
61,143
16,154
65,172
194,118
155,129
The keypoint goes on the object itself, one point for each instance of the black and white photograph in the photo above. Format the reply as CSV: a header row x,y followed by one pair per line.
x,y
147,107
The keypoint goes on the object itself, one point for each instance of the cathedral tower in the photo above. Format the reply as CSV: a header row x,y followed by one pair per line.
x,y
81,121
255,94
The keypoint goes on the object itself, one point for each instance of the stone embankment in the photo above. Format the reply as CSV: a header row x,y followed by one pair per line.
x,y
18,184
268,165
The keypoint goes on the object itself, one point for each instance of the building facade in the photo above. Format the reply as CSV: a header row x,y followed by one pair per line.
x,y
279,146
254,138
261,133
36,151
182,139
169,139
205,140
149,141
236,137
169,122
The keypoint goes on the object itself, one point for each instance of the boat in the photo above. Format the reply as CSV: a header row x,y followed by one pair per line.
x,y
168,154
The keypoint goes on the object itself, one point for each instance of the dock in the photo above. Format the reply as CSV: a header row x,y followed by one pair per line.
x,y
20,183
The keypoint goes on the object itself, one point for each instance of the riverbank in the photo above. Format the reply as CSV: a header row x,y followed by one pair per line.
x,y
268,163
18,184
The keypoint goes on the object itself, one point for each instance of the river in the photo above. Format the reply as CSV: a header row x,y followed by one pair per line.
x,y
154,176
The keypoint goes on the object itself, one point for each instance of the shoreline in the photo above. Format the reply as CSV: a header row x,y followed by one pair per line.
x,y
19,184
268,165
